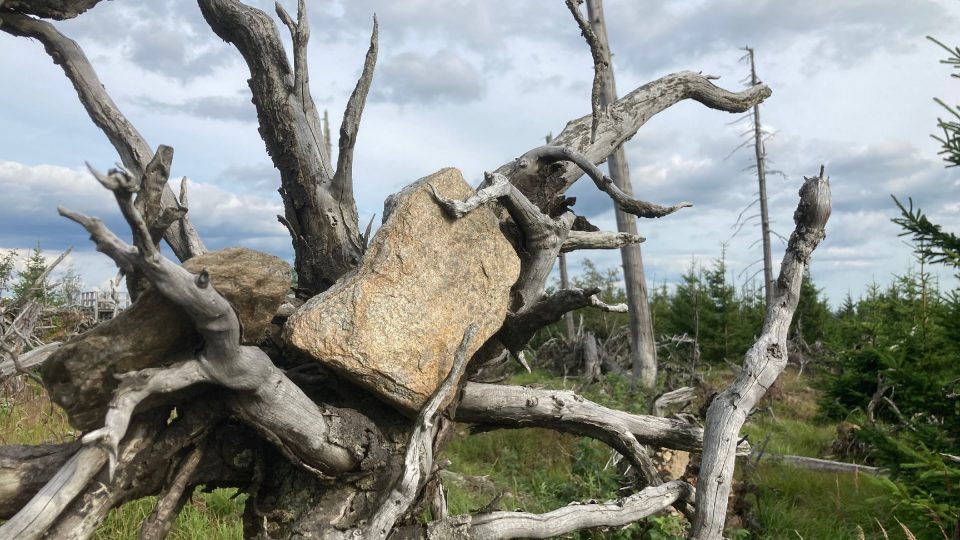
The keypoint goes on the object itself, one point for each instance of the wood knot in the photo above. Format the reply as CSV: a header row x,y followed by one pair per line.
x,y
775,351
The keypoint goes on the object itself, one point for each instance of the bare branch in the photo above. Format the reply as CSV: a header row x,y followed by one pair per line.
x,y
563,410
577,240
343,179
762,364
494,188
321,212
50,9
134,151
33,520
560,522
520,327
544,156
542,235
134,388
624,117
174,496
600,64
28,360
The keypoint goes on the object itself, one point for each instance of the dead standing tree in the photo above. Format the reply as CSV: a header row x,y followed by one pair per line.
x,y
332,434
643,350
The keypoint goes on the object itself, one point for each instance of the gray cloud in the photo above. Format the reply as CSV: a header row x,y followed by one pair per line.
x,y
168,37
170,51
843,32
213,107
416,78
262,176
28,211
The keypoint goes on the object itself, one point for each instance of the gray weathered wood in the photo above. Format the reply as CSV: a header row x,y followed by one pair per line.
x,y
624,117
24,469
33,519
563,410
497,525
760,155
577,240
418,461
50,9
822,465
762,364
319,207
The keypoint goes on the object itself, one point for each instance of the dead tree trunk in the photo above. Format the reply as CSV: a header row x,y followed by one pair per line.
x,y
643,350
760,154
270,400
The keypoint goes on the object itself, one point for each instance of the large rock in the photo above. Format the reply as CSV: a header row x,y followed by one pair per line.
x,y
154,331
393,326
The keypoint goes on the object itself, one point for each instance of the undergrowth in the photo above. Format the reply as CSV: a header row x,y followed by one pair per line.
x,y
538,470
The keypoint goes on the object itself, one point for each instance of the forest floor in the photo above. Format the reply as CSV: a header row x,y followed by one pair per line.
x,y
539,470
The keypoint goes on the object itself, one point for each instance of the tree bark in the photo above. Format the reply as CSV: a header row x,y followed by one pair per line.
x,y
319,207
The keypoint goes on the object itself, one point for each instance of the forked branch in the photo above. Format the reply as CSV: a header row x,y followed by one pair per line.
x,y
541,158
624,117
134,151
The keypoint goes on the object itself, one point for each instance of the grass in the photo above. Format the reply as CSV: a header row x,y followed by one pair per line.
x,y
214,516
538,470
795,503
789,436
28,417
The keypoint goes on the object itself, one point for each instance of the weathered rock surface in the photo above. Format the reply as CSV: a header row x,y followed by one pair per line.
x,y
393,326
153,332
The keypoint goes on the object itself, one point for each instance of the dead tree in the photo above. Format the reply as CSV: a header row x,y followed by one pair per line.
x,y
327,422
760,154
643,350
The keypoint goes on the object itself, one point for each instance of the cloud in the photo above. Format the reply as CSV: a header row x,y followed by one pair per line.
x,y
412,77
32,193
261,176
172,52
169,38
227,108
840,32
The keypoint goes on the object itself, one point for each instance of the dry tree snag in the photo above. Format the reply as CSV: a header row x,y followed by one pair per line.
x,y
762,364
323,451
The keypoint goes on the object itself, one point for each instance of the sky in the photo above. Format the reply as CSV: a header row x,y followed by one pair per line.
x,y
473,84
